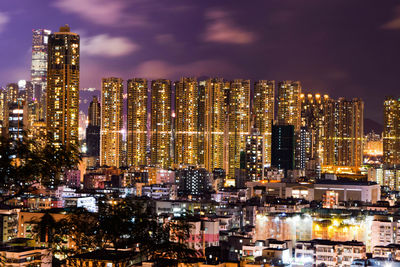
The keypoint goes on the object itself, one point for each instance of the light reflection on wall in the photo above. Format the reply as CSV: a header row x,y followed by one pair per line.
x,y
297,227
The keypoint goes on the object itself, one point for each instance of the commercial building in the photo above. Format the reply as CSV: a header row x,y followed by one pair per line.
x,y
283,147
63,87
348,190
93,128
40,38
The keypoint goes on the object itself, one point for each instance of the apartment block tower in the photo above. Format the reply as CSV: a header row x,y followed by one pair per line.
x,y
343,133
111,122
215,118
137,122
161,153
391,131
263,114
312,120
187,121
238,122
63,87
289,105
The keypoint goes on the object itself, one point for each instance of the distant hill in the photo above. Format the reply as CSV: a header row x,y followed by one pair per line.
x,y
371,125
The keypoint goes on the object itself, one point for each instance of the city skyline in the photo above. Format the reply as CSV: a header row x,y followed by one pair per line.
x,y
339,61
199,133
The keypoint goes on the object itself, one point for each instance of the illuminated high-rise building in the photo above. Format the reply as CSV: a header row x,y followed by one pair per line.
x,y
12,92
312,121
215,118
17,119
94,112
62,114
33,113
238,122
343,133
263,112
25,91
391,131
303,148
93,128
111,122
161,123
187,122
40,40
137,122
289,103
3,105
255,152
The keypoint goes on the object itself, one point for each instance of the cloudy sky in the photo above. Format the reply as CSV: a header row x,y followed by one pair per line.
x,y
341,47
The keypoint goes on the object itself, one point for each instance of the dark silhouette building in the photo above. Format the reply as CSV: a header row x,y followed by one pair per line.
x,y
93,129
283,147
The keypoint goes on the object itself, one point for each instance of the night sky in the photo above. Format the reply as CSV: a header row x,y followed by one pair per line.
x,y
341,47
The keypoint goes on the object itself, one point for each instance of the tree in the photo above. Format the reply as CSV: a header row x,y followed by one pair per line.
x,y
26,164
122,224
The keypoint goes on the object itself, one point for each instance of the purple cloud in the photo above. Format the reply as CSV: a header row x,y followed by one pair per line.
x,y
221,29
4,19
107,46
156,69
393,24
102,12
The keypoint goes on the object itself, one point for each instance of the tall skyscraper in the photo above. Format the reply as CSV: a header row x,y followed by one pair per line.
x,y
111,121
283,147
343,133
63,87
312,118
137,122
94,112
39,60
93,128
263,112
289,103
215,118
391,131
161,123
3,105
238,122
40,40
186,122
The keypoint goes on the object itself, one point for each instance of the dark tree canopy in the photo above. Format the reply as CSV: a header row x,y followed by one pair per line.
x,y
122,224
26,164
